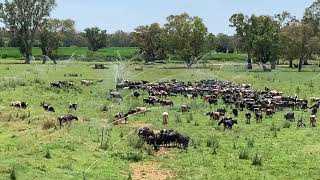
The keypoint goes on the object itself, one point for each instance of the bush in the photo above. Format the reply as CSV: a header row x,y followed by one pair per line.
x,y
212,141
136,142
250,143
286,124
257,161
48,155
13,173
274,127
48,124
244,154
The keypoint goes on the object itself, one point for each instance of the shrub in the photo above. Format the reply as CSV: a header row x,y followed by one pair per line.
x,y
212,141
48,155
274,127
13,173
136,142
257,161
48,124
195,143
286,124
244,154
250,142
134,156
178,118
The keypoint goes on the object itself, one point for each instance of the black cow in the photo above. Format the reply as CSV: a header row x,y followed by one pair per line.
x,y
48,107
301,124
227,123
235,112
289,116
248,118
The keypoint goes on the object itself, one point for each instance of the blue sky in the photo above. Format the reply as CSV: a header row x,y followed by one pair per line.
x,y
128,14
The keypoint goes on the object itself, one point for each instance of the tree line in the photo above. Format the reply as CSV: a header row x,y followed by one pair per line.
x,y
265,39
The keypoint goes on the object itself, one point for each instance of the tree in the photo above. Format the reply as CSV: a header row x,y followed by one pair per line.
x,y
299,39
312,19
2,42
224,43
148,38
211,42
52,34
258,36
24,18
285,20
120,39
97,38
185,36
265,39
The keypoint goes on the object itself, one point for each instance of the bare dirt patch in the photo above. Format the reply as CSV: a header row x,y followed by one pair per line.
x,y
137,125
150,171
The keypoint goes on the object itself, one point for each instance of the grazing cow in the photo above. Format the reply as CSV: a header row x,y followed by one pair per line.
x,y
86,82
141,110
223,111
269,112
66,119
183,141
227,123
301,124
48,107
166,103
136,94
116,95
313,121
185,108
258,117
120,117
19,104
289,116
314,111
235,112
213,101
248,118
73,106
215,115
165,118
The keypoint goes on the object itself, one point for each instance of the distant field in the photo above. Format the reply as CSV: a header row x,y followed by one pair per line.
x,y
67,52
107,54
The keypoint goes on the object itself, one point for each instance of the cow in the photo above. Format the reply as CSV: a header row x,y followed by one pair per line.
x,y
313,121
86,82
48,107
258,117
166,103
20,104
235,112
289,116
270,112
215,115
185,108
223,111
121,116
116,95
248,117
301,124
165,118
73,106
136,94
227,123
66,119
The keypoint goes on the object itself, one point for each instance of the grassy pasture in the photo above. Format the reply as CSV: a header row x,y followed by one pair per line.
x,y
74,152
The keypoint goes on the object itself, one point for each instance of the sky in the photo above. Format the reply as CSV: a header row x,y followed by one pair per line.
x,y
126,15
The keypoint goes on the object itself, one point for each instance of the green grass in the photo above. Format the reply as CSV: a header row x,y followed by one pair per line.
x,y
78,52
225,56
291,154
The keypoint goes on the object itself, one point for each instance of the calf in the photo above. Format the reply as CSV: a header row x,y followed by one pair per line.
x,y
67,119
235,112
227,123
248,118
313,121
73,106
185,108
301,124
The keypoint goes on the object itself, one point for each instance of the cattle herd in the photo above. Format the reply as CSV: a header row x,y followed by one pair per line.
x,y
235,97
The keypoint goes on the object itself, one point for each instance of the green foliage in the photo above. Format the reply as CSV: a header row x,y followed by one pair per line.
x,y
286,124
256,160
48,155
244,154
97,38
250,142
213,141
13,173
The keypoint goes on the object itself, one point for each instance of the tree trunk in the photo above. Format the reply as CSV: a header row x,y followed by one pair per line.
x,y
249,66
301,61
273,64
28,56
290,63
44,55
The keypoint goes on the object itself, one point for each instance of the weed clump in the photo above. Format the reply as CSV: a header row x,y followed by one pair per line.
x,y
244,154
256,160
